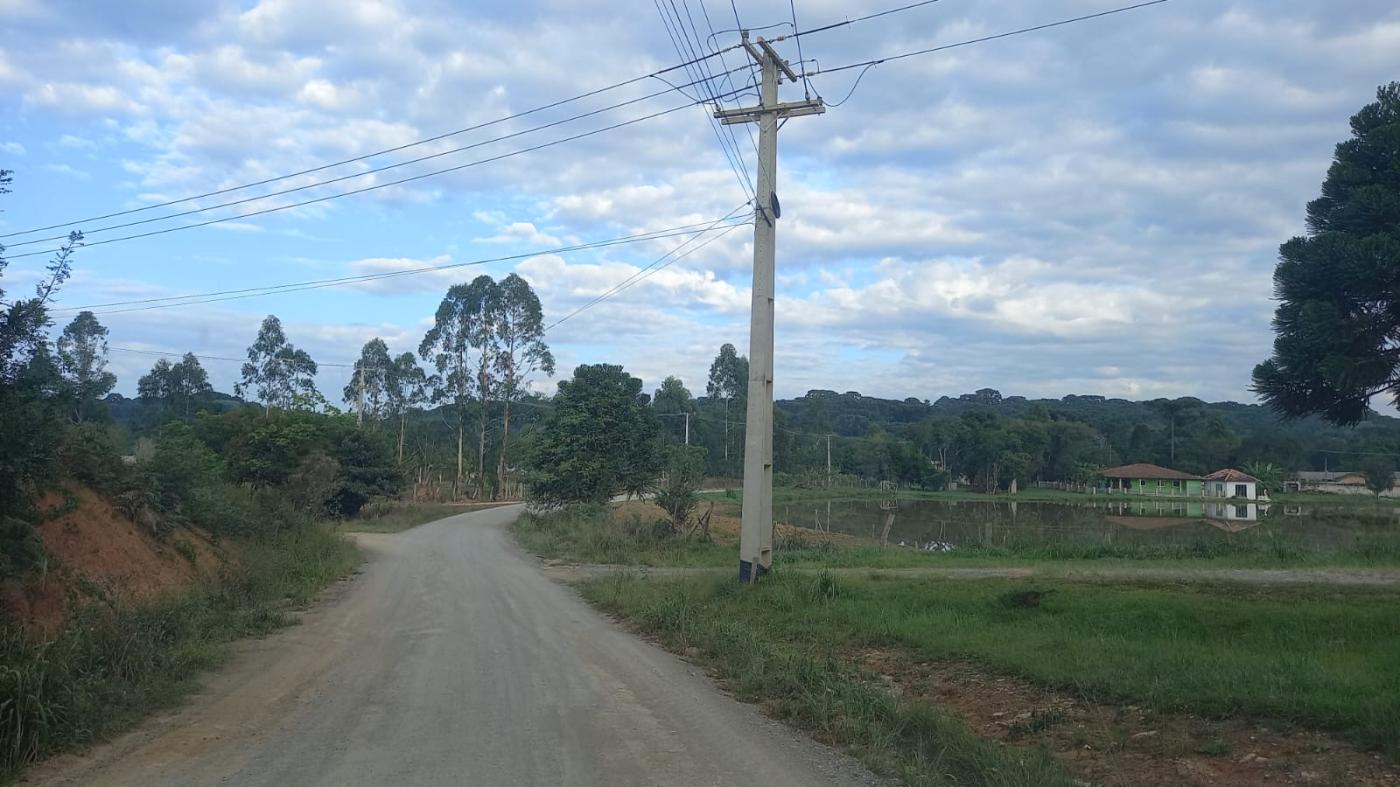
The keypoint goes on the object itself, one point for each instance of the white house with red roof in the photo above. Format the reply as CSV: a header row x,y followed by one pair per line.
x,y
1232,483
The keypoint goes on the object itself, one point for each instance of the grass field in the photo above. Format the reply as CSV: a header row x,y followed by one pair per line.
x,y
1323,658
793,494
630,535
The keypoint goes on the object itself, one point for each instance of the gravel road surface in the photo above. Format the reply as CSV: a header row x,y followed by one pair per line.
x,y
452,660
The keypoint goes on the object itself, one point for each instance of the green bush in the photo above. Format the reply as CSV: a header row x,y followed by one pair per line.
x,y
88,453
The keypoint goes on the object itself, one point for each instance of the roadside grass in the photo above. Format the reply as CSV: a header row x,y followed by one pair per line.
x,y
113,663
398,516
1318,657
799,494
600,534
801,683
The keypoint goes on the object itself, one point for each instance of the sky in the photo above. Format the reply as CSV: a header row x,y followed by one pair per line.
x,y
1089,209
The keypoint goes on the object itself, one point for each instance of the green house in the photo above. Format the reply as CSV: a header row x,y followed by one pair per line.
x,y
1152,481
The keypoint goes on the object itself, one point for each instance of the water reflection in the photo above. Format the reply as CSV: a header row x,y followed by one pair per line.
x,y
940,525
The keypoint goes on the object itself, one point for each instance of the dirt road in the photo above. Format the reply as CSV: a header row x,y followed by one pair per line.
x,y
452,660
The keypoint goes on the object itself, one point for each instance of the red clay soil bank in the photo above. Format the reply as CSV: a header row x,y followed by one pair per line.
x,y
95,552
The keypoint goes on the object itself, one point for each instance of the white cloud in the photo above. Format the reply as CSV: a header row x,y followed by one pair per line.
x,y
522,232
999,215
13,148
67,171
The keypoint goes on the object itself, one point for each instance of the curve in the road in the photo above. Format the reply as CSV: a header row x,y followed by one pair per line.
x,y
451,660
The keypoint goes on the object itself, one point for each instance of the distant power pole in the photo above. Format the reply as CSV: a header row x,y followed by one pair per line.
x,y
687,428
828,460
756,533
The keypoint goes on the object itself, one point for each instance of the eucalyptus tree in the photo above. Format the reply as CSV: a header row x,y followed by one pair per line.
x,y
176,386
520,349
406,387
278,373
674,399
367,390
729,379
82,360
462,347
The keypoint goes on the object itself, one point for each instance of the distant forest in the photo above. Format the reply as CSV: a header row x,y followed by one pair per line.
x,y
983,438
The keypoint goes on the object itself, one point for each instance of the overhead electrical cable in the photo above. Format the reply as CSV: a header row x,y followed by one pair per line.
x,y
983,39
170,302
673,255
366,156
677,34
377,186
844,22
361,174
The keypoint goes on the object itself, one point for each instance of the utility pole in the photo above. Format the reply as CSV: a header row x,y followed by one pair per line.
x,y
756,533
687,428
828,461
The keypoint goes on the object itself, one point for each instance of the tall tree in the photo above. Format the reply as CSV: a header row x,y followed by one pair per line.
x,y
368,389
82,360
276,371
729,380
1380,474
178,386
599,439
30,424
405,389
464,324
673,399
1337,325
520,349
1176,412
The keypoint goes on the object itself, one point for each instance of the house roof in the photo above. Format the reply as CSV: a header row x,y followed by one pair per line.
x,y
1342,477
1231,474
1318,475
1144,470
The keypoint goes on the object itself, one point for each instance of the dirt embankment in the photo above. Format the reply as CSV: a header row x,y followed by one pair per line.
x,y
96,553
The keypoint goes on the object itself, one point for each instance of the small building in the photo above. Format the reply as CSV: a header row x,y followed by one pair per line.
x,y
1152,480
1232,483
1338,482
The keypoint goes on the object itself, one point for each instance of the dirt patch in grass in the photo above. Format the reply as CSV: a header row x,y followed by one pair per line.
x,y
1127,746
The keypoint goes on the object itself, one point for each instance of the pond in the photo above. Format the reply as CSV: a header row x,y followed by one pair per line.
x,y
1003,523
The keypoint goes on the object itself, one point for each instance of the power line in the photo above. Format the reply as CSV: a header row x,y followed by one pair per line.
x,y
806,83
376,186
701,80
983,39
649,235
798,35
367,156
169,302
364,173
652,268
854,85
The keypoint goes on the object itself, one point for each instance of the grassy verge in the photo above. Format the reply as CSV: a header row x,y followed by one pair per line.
x,y
1322,658
600,534
797,680
112,664
794,495
605,535
396,516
